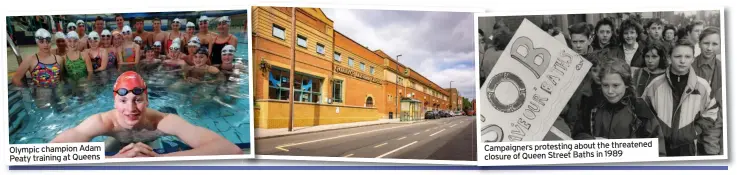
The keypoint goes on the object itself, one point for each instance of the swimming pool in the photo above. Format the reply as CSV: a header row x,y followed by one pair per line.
x,y
222,108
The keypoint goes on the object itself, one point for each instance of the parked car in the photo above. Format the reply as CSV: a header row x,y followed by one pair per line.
x,y
445,114
432,115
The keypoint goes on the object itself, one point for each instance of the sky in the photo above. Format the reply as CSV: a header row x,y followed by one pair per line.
x,y
438,45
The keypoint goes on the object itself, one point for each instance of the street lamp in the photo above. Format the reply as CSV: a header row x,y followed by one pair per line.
x,y
398,111
451,94
291,71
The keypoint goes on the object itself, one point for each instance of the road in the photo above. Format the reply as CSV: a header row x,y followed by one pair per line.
x,y
439,139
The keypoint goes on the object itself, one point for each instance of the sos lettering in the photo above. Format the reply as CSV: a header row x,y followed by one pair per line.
x,y
537,61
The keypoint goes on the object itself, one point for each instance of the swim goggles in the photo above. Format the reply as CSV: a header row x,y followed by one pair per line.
x,y
43,39
135,91
227,52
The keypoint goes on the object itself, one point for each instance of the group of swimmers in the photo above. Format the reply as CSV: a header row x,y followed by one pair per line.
x,y
78,55
132,126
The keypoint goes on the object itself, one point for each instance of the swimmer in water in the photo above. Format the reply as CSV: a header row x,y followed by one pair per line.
x,y
107,39
128,50
229,91
71,27
157,49
138,40
44,66
61,44
82,32
149,56
223,38
189,33
228,67
119,22
174,59
132,124
192,46
204,34
146,36
99,24
157,34
174,34
118,39
150,63
98,56
45,70
77,65
112,50
198,72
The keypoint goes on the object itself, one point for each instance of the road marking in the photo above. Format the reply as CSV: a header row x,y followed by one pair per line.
x,y
281,147
402,138
436,132
395,150
453,125
381,145
349,155
417,133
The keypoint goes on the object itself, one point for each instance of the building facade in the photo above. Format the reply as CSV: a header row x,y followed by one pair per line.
x,y
456,101
336,79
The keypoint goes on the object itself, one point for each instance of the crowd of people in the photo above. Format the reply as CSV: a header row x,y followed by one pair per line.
x,y
651,81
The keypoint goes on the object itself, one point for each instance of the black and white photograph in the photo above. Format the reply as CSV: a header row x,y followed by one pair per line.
x,y
655,74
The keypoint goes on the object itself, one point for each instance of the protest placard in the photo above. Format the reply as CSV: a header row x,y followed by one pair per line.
x,y
529,86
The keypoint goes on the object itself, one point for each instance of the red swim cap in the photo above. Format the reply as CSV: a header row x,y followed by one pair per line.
x,y
129,80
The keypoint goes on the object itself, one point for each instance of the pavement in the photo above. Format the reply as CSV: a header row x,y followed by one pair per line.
x,y
439,139
262,133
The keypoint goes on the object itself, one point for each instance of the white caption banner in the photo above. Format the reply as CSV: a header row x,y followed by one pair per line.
x,y
56,153
568,152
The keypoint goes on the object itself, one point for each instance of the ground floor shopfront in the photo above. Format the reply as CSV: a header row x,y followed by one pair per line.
x,y
325,93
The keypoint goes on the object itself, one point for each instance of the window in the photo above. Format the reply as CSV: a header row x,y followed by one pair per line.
x,y
320,49
338,91
372,70
399,80
370,102
307,88
350,61
336,56
278,84
362,66
278,31
302,41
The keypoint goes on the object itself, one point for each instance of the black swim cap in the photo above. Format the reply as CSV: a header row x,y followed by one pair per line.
x,y
202,50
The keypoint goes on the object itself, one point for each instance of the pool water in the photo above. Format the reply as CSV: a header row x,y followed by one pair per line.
x,y
222,108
